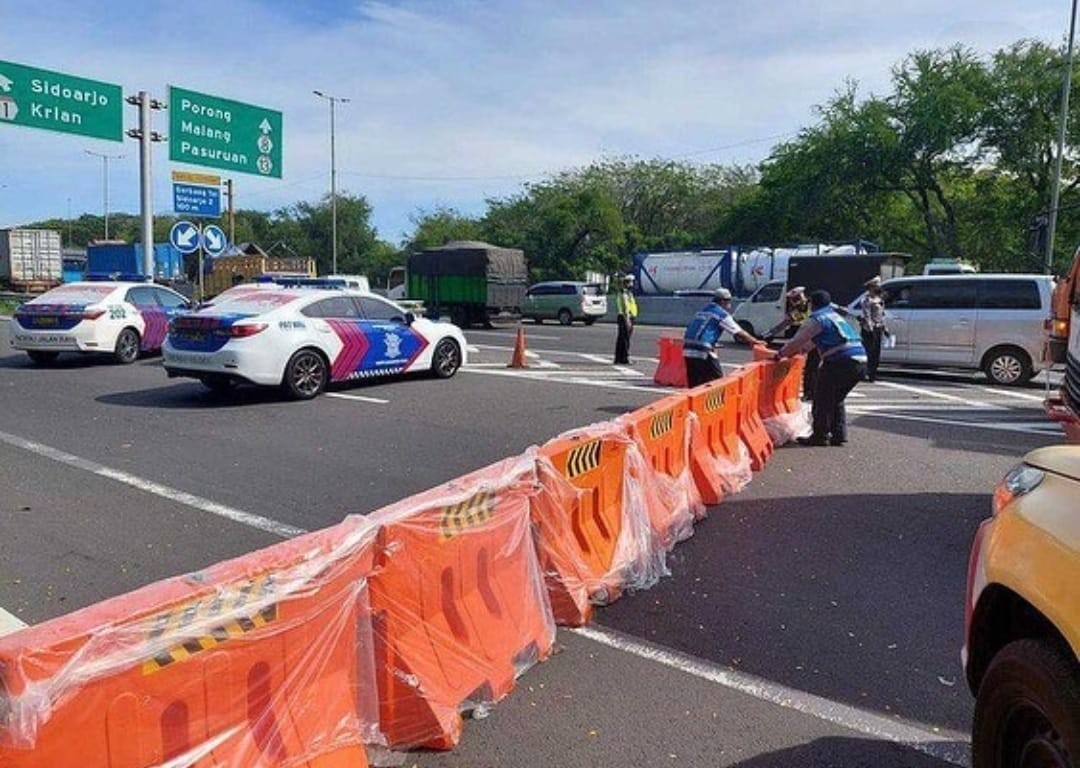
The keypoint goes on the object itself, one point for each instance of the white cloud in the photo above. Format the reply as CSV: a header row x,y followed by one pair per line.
x,y
460,101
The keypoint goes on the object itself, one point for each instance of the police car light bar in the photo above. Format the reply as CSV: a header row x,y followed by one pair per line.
x,y
116,277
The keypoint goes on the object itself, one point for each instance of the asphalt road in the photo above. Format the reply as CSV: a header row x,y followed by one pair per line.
x,y
814,619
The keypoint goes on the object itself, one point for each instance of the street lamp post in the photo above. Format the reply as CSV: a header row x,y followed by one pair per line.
x,y
106,158
333,173
1055,194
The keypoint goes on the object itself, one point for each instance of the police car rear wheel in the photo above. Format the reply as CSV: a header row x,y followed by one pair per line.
x,y
305,375
446,360
127,347
42,357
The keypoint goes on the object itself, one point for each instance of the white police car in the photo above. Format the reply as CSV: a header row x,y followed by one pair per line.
x,y
301,339
117,317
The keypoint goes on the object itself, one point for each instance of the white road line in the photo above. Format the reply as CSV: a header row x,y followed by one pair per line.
x,y
577,380
1011,393
359,398
940,743
9,623
915,405
149,486
922,391
508,335
1051,430
603,359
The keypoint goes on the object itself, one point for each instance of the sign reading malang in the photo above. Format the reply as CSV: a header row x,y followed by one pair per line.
x,y
53,101
221,133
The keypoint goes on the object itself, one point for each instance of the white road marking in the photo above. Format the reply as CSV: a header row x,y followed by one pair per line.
x,y
940,743
603,359
504,335
562,379
922,391
1050,430
359,398
9,623
181,497
1011,393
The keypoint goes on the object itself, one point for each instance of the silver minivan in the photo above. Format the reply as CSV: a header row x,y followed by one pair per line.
x,y
992,323
565,301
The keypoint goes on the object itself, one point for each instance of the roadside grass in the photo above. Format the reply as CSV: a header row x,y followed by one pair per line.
x,y
8,306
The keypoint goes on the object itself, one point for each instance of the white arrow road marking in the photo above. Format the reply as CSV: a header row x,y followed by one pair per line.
x,y
264,126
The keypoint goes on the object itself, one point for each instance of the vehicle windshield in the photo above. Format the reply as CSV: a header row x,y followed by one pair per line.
x,y
74,293
252,303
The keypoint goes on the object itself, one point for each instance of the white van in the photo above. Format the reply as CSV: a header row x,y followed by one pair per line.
x,y
992,323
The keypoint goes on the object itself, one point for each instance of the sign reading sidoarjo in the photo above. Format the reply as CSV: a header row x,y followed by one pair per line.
x,y
41,98
221,133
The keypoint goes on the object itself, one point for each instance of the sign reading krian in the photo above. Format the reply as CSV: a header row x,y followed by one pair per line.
x,y
40,98
221,133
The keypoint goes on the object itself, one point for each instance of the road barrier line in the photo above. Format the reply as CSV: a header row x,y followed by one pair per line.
x,y
181,497
940,743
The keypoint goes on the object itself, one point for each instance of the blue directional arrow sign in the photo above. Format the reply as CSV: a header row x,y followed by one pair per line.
x,y
214,240
184,236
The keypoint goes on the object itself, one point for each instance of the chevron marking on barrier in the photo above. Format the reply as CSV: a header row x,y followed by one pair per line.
x,y
583,458
475,510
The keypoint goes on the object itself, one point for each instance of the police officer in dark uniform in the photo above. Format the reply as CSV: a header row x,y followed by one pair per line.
x,y
843,365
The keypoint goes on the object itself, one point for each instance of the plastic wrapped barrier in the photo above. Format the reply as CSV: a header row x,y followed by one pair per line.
x,y
592,521
257,661
785,416
662,433
719,461
750,426
460,608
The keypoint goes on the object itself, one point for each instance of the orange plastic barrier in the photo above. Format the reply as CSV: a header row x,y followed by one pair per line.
x,y
662,433
258,661
750,426
784,415
459,604
592,524
671,369
719,461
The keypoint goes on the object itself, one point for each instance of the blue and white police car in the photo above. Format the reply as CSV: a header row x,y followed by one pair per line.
x,y
303,338
117,317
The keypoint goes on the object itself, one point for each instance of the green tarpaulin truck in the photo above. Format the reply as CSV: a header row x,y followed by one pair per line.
x,y
474,283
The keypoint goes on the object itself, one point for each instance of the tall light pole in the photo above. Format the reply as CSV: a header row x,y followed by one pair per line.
x,y
106,158
1055,194
333,173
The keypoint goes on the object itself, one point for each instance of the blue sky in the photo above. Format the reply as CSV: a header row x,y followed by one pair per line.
x,y
455,102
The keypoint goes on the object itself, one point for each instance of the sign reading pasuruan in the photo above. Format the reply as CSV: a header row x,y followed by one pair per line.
x,y
221,133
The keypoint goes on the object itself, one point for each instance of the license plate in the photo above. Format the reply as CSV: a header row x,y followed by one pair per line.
x,y
198,336
46,322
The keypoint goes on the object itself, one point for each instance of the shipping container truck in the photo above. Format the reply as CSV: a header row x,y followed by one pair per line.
x,y
472,282
1063,346
30,259
127,259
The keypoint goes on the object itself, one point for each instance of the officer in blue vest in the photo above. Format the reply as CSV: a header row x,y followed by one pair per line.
x,y
702,335
843,365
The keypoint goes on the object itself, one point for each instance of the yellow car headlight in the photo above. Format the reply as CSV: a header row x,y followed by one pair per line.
x,y
1020,480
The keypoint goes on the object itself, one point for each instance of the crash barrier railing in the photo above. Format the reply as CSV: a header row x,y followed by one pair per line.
x,y
719,459
592,520
750,426
671,368
459,602
383,629
254,661
661,431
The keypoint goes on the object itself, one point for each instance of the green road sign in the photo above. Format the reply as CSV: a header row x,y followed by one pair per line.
x,y
40,98
221,133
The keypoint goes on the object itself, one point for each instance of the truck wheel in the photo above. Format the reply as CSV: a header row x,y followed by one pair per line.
x,y
1027,711
566,317
305,375
127,346
42,356
1009,366
446,359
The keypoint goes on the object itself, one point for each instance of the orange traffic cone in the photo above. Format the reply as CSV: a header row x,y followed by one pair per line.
x,y
518,360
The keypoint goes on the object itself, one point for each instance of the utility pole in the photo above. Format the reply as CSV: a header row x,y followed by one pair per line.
x,y
106,159
1055,195
232,211
146,136
333,174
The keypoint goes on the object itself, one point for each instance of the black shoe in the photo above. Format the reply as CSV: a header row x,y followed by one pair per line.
x,y
835,442
810,441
